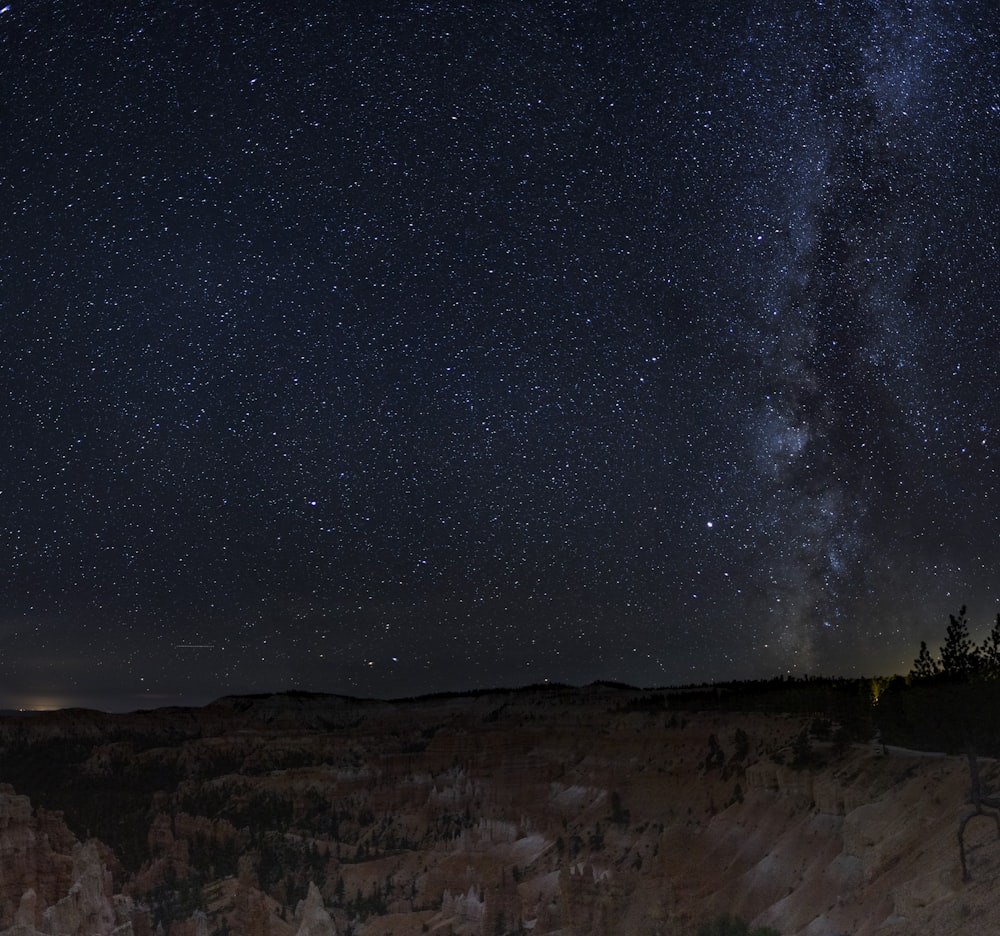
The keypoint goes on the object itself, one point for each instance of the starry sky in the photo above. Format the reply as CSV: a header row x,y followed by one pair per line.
x,y
400,346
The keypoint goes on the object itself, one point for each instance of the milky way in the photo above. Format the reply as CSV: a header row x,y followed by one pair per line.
x,y
403,347
870,142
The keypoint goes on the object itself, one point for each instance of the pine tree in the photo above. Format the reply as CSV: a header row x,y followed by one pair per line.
x,y
924,666
959,656
989,653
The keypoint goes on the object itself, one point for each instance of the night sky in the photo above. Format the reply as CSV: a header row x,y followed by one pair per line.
x,y
386,348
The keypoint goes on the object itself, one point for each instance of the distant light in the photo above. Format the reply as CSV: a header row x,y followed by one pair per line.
x,y
710,524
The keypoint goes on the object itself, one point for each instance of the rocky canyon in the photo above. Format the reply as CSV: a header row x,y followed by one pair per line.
x,y
549,810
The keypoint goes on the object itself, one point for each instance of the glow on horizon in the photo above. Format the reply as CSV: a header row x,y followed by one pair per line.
x,y
46,703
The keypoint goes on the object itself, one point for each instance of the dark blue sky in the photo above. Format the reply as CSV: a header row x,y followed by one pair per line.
x,y
386,348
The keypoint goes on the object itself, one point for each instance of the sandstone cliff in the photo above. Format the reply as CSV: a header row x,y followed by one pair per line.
x,y
50,883
556,812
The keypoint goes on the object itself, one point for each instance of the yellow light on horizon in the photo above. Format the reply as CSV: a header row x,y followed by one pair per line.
x,y
42,704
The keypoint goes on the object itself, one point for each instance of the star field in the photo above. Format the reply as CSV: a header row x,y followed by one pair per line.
x,y
388,348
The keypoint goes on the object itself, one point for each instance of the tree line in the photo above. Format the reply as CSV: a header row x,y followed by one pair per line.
x,y
959,657
949,701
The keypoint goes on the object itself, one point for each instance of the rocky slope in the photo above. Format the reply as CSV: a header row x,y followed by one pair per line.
x,y
553,811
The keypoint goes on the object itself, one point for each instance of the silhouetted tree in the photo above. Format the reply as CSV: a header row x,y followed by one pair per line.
x,y
990,652
716,757
619,815
947,703
741,742
801,750
959,658
924,666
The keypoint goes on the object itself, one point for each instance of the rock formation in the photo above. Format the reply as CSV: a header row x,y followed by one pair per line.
x,y
32,857
313,916
87,908
559,811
